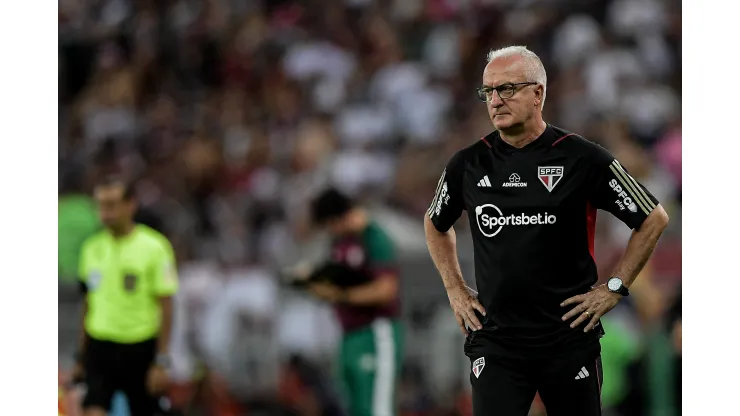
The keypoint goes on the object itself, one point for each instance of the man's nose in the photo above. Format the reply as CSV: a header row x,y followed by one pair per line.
x,y
496,100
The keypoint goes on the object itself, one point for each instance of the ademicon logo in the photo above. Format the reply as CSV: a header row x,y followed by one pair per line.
x,y
491,220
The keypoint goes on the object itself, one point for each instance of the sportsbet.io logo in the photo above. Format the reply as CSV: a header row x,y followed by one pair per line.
x,y
491,220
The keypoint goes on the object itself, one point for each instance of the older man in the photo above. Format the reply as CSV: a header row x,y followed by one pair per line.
x,y
531,191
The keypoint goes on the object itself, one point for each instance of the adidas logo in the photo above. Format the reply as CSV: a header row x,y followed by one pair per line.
x,y
582,374
484,183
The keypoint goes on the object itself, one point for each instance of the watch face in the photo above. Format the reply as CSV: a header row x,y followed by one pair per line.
x,y
614,284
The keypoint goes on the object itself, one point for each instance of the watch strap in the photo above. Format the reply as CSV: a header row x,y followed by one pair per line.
x,y
624,291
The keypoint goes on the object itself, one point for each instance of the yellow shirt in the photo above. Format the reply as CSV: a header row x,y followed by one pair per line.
x,y
125,277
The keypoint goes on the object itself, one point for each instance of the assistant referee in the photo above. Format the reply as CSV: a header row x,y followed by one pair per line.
x,y
127,273
531,191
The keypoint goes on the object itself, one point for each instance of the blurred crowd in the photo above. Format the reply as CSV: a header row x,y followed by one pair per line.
x,y
231,114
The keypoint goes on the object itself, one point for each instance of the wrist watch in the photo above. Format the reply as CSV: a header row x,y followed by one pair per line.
x,y
616,285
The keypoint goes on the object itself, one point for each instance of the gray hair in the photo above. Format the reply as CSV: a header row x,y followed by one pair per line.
x,y
533,68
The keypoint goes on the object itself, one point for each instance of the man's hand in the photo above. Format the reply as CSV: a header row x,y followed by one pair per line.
x,y
464,306
299,272
592,305
157,380
327,291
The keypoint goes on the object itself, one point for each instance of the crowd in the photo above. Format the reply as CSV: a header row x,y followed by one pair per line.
x,y
231,114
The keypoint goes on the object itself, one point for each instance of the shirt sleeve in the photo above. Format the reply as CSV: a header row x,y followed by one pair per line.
x,y
448,204
616,191
164,271
381,253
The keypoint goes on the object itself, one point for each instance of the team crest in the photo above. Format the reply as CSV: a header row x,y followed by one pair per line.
x,y
355,257
93,279
478,366
129,282
550,176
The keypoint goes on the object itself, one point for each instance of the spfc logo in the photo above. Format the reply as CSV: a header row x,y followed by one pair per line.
x,y
550,176
478,366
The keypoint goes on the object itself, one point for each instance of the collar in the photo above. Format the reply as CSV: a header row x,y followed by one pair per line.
x,y
546,139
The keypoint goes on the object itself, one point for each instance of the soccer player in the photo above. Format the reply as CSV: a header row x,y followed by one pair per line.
x,y
127,273
531,191
371,348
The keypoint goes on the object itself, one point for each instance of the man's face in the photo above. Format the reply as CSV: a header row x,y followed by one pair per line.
x,y
113,208
520,107
338,226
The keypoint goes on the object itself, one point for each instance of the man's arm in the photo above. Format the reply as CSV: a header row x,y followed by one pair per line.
x,y
593,305
382,290
163,341
446,207
616,191
165,286
641,245
443,250
78,372
82,341
381,264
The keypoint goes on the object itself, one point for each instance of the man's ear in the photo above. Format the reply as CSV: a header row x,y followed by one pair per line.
x,y
539,92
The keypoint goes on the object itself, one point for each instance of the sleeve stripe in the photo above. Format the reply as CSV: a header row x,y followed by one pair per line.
x,y
627,186
430,210
648,202
620,175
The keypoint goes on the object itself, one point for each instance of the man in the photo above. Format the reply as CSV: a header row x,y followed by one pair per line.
x,y
531,191
128,276
366,302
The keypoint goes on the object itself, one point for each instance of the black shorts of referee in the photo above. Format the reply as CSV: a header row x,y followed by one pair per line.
x,y
111,367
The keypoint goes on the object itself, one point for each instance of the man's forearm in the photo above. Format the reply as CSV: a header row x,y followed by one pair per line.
x,y
443,249
163,341
82,341
641,245
380,291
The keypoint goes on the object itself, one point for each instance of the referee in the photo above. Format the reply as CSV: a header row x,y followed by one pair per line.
x,y
531,191
127,273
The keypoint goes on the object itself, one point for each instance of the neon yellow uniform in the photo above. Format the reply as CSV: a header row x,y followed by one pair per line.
x,y
124,278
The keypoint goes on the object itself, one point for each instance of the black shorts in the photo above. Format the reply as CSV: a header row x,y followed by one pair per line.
x,y
111,367
569,384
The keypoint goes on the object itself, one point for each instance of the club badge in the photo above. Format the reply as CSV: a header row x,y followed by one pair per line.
x,y
550,176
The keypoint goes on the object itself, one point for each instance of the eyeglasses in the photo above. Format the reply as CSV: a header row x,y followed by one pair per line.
x,y
505,91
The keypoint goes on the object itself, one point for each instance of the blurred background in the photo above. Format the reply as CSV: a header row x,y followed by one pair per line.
x,y
232,114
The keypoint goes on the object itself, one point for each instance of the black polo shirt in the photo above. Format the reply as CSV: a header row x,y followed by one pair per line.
x,y
532,212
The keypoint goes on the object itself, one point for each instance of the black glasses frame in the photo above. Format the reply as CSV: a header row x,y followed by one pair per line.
x,y
505,91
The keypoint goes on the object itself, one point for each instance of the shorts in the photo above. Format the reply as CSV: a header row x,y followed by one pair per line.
x,y
568,384
111,367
